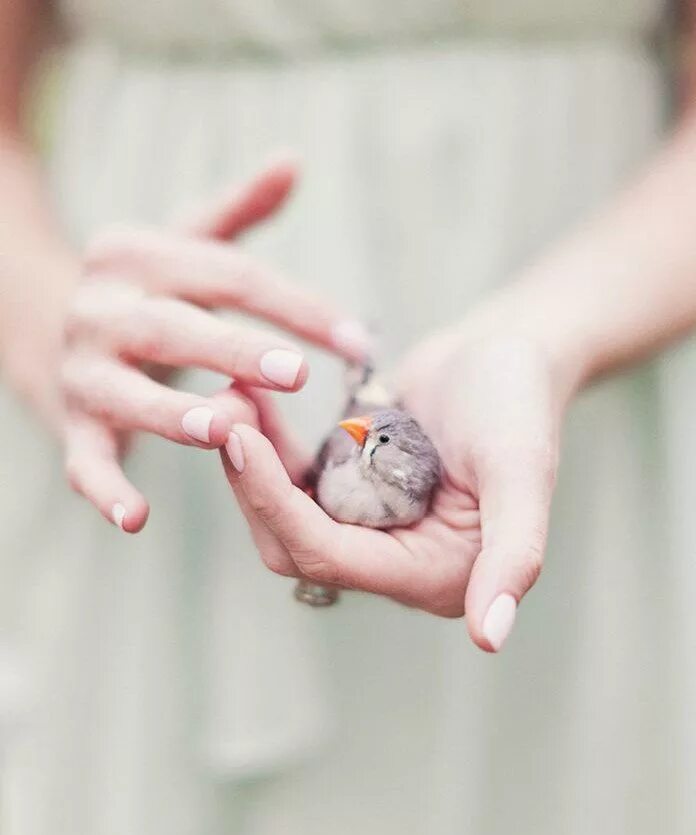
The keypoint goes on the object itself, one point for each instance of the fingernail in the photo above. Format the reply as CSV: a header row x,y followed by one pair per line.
x,y
118,514
281,367
353,336
499,620
196,423
233,445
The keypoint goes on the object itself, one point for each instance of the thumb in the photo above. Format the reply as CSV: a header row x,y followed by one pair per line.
x,y
235,212
296,458
514,504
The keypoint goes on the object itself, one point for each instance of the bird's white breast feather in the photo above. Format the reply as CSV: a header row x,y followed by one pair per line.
x,y
347,496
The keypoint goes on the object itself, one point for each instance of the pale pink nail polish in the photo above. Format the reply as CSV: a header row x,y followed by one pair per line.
x,y
499,620
353,336
234,449
118,514
281,367
196,423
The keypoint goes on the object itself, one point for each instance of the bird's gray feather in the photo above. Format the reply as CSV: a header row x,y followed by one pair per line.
x,y
365,394
397,479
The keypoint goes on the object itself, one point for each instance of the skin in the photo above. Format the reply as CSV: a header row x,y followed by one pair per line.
x,y
616,291
91,339
517,360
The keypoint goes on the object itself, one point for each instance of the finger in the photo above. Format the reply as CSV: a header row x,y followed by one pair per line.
x,y
294,455
94,471
274,555
234,213
127,399
515,499
332,553
174,333
235,401
210,274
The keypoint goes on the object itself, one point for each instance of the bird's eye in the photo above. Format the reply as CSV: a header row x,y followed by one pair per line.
x,y
384,439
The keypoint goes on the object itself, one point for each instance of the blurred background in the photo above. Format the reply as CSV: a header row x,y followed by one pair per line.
x,y
168,683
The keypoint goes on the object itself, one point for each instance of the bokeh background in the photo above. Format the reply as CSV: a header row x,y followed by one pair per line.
x,y
169,684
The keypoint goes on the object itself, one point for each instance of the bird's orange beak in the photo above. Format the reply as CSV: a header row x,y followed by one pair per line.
x,y
357,428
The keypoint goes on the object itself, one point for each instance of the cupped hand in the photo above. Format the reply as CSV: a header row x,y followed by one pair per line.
x,y
492,403
144,309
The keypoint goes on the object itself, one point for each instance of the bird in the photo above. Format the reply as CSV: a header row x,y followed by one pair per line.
x,y
377,468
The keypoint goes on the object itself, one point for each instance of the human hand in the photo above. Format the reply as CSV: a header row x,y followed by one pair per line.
x,y
491,399
143,310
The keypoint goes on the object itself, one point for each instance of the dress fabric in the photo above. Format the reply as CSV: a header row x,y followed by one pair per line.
x,y
175,687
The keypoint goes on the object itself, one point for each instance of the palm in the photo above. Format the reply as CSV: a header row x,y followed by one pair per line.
x,y
490,411
442,548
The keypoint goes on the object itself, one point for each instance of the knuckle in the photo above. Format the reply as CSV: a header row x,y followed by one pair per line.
x,y
98,312
242,410
67,374
533,566
276,563
159,411
73,474
311,558
106,249
528,574
526,567
115,247
321,564
237,407
149,344
79,316
234,350
318,568
79,377
144,329
248,282
244,273
72,327
267,507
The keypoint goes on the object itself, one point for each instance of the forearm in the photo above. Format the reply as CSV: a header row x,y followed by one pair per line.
x,y
37,270
37,275
625,284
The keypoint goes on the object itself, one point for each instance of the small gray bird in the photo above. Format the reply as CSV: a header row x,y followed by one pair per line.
x,y
378,468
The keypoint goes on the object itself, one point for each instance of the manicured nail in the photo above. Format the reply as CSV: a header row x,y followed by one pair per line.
x,y
281,367
234,449
196,423
353,336
118,514
499,620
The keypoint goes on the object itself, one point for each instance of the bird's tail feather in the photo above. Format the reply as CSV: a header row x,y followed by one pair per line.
x,y
366,391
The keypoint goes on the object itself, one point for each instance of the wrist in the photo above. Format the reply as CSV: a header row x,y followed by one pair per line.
x,y
522,315
32,331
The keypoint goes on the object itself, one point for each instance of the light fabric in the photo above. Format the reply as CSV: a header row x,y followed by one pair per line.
x,y
294,27
175,686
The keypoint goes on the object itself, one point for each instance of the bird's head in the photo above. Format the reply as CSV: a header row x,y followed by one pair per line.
x,y
395,449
